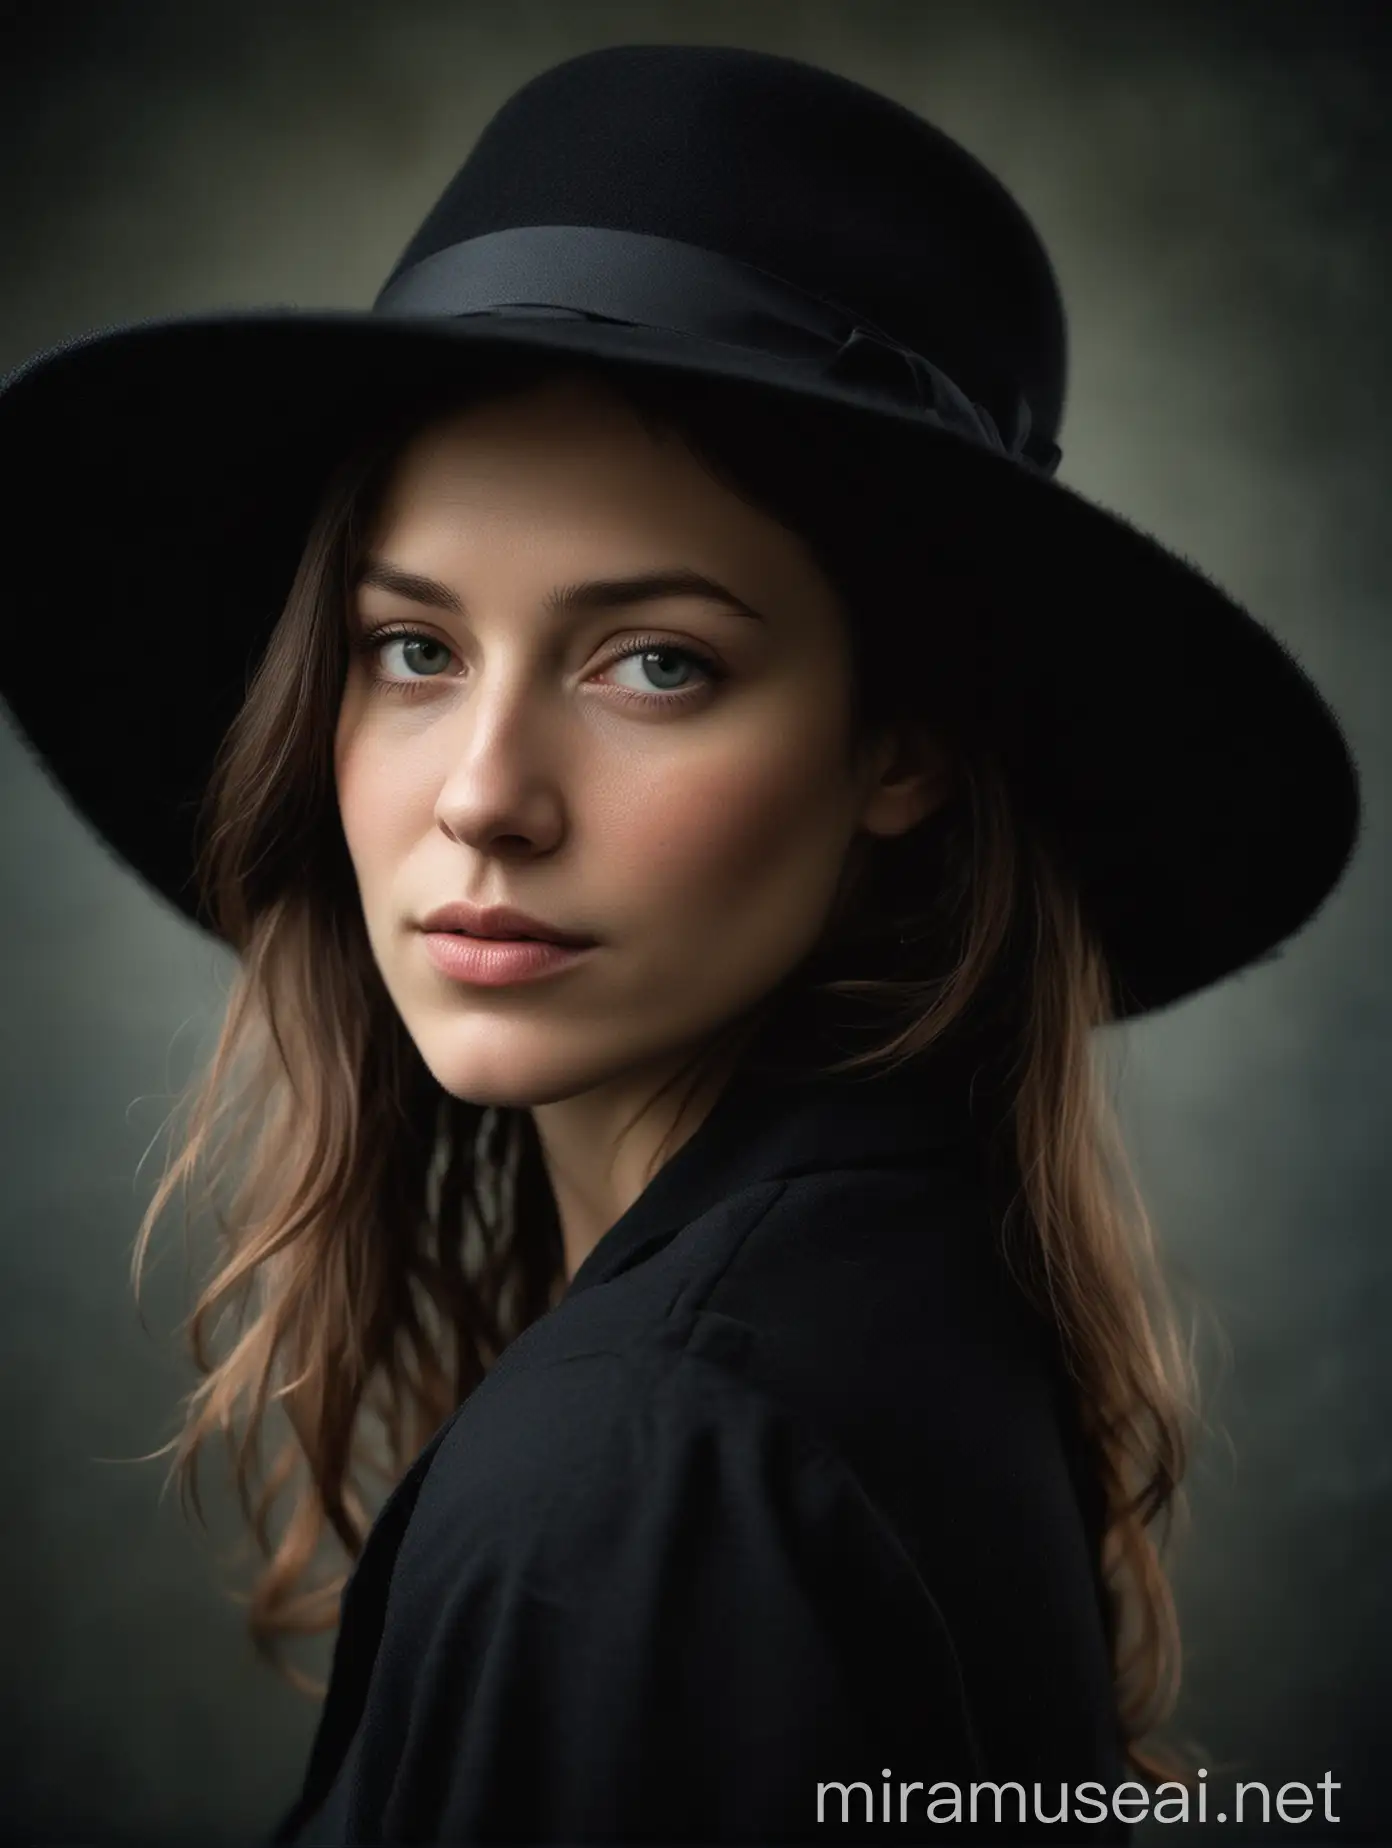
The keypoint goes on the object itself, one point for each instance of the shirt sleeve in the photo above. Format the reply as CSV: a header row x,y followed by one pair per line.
x,y
666,1613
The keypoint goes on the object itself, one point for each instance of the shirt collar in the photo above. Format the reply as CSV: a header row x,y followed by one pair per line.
x,y
769,1125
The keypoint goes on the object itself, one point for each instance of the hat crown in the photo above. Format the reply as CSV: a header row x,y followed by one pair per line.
x,y
798,171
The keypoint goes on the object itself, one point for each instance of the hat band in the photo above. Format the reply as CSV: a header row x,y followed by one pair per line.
x,y
637,280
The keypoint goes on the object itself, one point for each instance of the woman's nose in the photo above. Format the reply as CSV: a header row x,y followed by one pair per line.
x,y
502,780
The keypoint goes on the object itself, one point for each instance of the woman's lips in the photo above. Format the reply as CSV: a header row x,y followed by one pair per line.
x,y
493,962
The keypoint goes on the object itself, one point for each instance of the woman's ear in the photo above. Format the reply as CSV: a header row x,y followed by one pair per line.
x,y
909,777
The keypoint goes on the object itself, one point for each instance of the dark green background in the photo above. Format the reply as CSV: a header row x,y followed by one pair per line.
x,y
1214,182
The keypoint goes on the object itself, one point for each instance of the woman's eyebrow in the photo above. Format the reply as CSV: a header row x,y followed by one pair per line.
x,y
568,599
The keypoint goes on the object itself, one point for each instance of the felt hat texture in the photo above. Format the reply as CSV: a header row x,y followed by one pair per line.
x,y
718,213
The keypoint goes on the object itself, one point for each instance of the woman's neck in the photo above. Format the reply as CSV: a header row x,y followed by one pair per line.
x,y
602,1147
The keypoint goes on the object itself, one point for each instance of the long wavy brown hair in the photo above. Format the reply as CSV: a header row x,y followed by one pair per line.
x,y
380,1241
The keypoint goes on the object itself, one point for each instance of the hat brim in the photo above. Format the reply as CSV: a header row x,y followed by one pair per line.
x,y
161,479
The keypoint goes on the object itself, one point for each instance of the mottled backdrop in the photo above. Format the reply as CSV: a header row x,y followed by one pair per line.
x,y
1215,181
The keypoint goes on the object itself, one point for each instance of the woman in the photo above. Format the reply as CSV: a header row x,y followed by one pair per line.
x,y
736,1288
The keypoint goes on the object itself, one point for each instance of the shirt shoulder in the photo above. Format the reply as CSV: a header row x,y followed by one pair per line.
x,y
877,1309
644,1603
878,1302
634,1442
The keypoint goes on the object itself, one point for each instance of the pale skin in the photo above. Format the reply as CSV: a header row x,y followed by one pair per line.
x,y
698,833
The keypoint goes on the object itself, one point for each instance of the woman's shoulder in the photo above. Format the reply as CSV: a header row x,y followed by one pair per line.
x,y
846,1328
849,1330
888,1287
864,1312
841,1397
865,1235
625,1551
618,1471
881,1313
876,1307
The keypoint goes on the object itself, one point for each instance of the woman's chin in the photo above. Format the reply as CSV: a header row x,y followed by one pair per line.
x,y
525,1063
514,1078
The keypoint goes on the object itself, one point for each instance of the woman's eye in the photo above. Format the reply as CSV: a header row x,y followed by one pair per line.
x,y
423,654
405,661
658,670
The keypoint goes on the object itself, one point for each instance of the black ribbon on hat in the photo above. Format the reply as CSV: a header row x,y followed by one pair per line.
x,y
590,272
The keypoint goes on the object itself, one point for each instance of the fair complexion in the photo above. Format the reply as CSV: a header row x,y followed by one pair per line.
x,y
690,809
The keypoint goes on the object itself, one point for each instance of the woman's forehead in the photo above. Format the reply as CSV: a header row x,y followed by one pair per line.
x,y
567,477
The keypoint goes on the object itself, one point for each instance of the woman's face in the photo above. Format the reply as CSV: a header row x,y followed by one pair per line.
x,y
688,809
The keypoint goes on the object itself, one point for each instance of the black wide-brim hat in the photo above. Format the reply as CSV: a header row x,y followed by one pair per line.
x,y
732,215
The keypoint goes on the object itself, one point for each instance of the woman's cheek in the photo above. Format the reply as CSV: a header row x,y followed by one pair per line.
x,y
721,824
381,797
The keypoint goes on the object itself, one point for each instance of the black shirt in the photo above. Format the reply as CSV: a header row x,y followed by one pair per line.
x,y
784,1491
